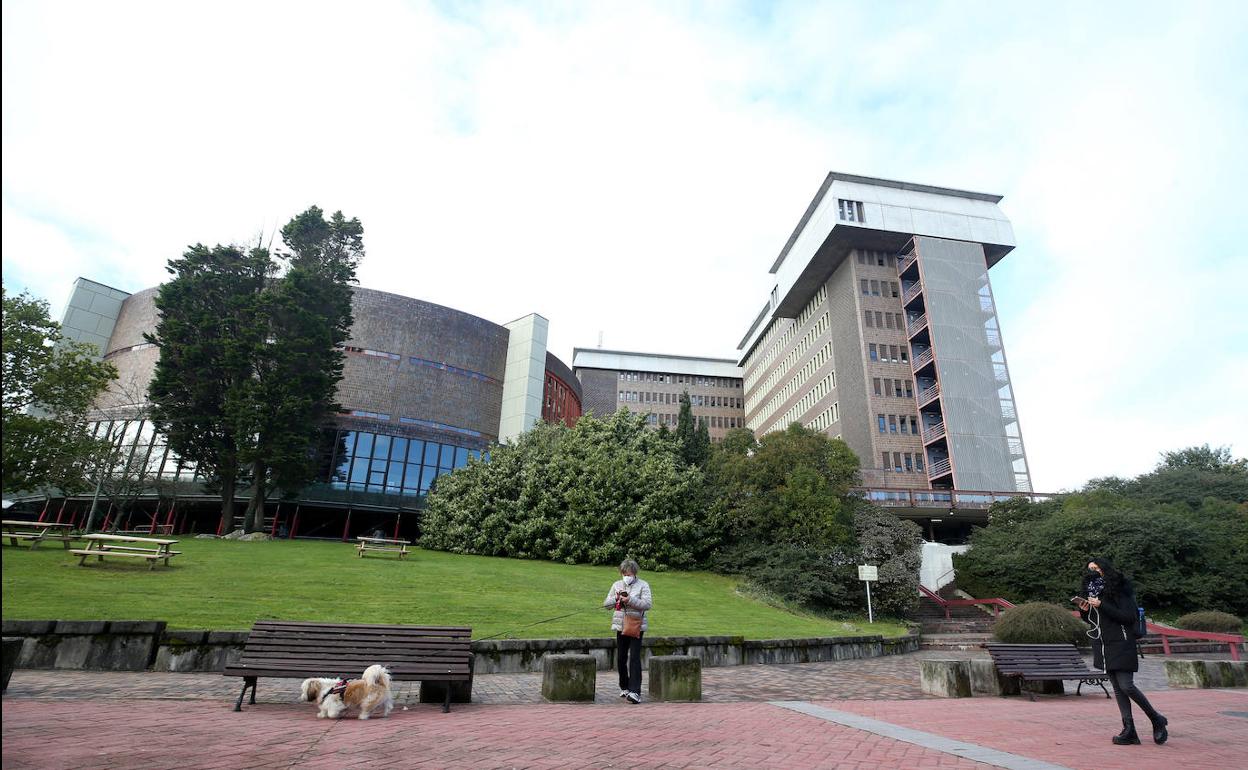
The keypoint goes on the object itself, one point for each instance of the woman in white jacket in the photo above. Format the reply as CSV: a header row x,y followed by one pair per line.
x,y
630,597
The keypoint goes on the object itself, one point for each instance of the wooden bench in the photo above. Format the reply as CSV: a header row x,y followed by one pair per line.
x,y
100,546
383,544
293,649
36,532
1039,662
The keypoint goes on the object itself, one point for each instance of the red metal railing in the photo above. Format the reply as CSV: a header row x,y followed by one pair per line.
x,y
997,604
938,468
1233,641
923,359
943,499
912,292
916,325
934,432
905,262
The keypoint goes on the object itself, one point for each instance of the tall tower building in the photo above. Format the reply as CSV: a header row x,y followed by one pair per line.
x,y
880,328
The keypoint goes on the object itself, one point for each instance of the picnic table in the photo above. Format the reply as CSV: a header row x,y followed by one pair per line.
x,y
37,531
150,548
383,544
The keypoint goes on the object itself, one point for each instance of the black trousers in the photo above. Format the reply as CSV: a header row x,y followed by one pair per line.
x,y
628,661
1125,691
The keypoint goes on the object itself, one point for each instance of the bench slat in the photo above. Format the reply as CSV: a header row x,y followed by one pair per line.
x,y
122,553
314,627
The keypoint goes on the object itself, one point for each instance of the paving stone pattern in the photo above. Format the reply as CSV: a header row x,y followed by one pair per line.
x,y
149,720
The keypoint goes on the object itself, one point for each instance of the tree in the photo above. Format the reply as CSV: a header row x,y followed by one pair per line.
x,y
208,333
49,386
307,318
686,430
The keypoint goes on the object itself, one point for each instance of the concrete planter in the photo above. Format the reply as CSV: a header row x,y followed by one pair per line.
x,y
569,678
945,678
12,648
986,678
1191,674
675,678
115,645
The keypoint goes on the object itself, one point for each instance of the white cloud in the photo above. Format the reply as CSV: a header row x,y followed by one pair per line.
x,y
635,169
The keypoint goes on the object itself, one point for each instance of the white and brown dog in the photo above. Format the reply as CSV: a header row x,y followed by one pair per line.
x,y
335,696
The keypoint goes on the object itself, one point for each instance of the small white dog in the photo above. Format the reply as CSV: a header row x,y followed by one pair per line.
x,y
335,696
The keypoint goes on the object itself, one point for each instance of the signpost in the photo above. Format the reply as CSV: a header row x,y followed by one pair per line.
x,y
867,573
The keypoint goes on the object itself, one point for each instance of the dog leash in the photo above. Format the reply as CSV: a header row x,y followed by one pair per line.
x,y
538,623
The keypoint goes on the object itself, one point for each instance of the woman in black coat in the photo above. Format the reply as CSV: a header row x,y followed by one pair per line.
x,y
1107,603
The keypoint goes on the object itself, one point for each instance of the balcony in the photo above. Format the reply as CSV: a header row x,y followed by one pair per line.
x,y
939,468
923,359
915,290
934,432
916,325
929,394
904,263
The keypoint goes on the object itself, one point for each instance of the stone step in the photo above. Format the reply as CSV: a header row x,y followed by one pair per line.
x,y
953,641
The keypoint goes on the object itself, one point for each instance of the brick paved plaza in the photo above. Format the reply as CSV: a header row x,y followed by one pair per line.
x,y
859,714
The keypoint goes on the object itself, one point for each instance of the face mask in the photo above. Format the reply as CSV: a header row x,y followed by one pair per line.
x,y
628,579
1091,573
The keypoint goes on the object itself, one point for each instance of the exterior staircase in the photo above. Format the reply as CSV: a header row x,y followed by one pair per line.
x,y
966,628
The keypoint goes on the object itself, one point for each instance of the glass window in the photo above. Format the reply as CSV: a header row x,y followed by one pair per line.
x,y
897,461
412,479
873,354
448,457
875,384
863,283
909,462
884,460
880,420
461,457
394,479
359,472
363,444
427,477
892,423
415,450
398,448
867,315
381,447
431,453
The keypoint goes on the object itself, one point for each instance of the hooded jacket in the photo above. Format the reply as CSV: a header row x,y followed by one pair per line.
x,y
1115,650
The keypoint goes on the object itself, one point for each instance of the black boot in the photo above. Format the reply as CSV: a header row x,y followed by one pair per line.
x,y
1159,729
1128,736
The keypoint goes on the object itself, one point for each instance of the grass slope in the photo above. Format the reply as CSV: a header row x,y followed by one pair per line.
x,y
224,584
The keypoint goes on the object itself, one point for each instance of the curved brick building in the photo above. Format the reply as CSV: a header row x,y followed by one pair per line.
x,y
424,388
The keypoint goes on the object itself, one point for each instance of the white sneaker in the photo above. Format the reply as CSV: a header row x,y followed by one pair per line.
x,y
634,697
623,693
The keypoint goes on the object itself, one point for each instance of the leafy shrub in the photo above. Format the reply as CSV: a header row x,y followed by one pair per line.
x,y
1039,623
1212,621
597,493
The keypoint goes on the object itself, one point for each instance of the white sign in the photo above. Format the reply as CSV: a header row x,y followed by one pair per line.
x,y
868,572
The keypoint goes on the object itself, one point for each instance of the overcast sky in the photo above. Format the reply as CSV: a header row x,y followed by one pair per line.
x,y
633,169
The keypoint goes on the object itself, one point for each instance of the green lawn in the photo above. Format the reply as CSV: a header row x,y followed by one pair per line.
x,y
225,584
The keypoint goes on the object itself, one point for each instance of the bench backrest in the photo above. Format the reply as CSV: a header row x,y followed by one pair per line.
x,y
1030,658
320,649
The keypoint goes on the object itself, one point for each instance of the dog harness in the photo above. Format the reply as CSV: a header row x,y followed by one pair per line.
x,y
339,688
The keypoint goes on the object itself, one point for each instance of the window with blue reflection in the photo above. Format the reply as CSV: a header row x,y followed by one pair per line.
x,y
394,479
398,448
426,478
415,451
363,444
431,453
381,447
461,457
448,457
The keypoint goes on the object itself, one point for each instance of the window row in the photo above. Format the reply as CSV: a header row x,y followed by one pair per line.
x,y
378,462
712,420
695,399
874,288
383,417
880,258
769,346
897,423
876,319
807,402
888,354
896,388
781,371
849,211
825,420
682,379
798,381
899,462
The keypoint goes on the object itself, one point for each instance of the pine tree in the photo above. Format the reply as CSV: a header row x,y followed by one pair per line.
x,y
686,431
702,443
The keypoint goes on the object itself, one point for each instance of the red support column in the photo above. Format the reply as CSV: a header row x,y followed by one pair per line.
x,y
108,516
295,524
397,519
61,512
169,517
221,524
155,518
276,514
346,525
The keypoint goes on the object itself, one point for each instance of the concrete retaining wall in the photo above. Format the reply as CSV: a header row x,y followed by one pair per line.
x,y
141,645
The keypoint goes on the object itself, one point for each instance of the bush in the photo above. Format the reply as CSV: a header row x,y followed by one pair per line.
x,y
1212,621
1039,623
